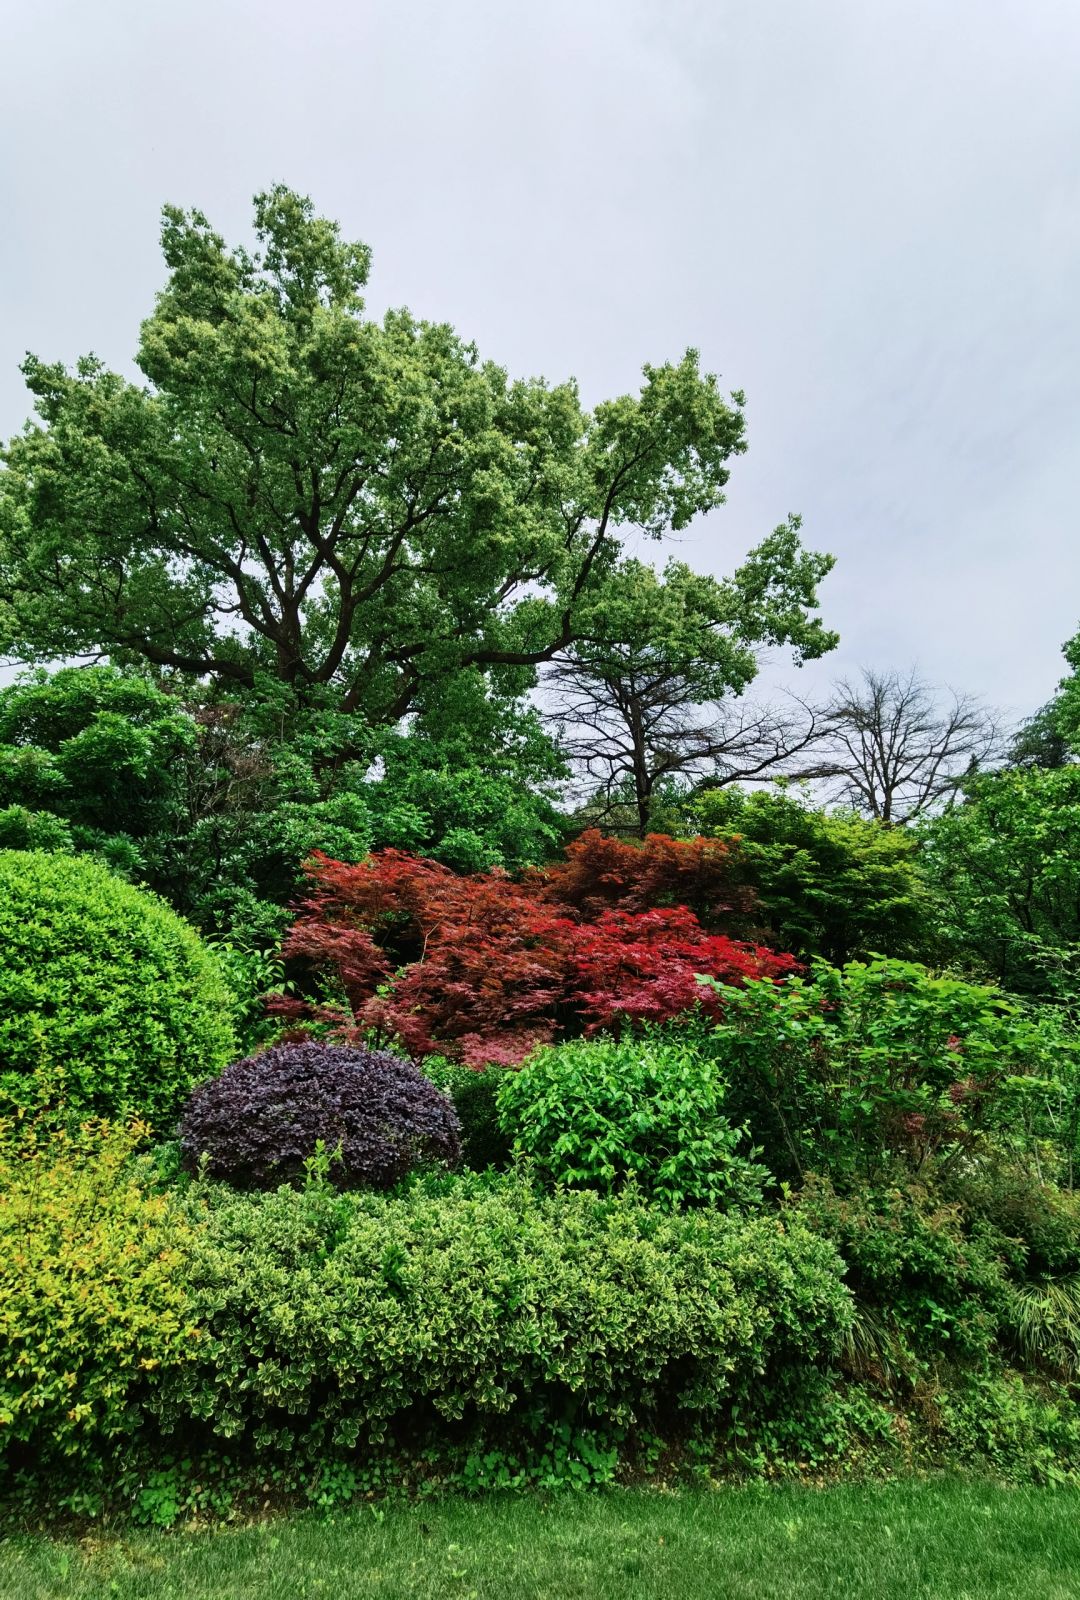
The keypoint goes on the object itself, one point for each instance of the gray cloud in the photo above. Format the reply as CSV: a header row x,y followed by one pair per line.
x,y
868,216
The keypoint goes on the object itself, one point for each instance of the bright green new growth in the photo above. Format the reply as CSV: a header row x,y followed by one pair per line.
x,y
108,1000
598,1112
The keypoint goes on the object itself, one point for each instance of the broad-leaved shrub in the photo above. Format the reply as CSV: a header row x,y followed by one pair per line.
x,y
483,968
855,1069
597,1112
474,1091
93,1297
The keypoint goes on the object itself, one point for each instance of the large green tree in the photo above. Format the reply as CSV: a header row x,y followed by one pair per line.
x,y
1006,862
355,509
205,803
1005,866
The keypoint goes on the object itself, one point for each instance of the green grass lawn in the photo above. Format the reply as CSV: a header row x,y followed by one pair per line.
x,y
946,1541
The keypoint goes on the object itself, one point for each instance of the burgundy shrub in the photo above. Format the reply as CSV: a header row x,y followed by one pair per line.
x,y
376,1114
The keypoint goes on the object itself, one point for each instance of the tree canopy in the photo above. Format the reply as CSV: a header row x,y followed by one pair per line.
x,y
352,507
645,693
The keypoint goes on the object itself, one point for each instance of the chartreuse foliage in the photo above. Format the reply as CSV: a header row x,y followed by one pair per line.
x,y
599,1112
109,1002
94,1303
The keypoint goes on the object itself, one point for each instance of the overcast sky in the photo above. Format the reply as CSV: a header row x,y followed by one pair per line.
x,y
865,213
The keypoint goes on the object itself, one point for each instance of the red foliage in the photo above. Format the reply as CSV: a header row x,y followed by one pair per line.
x,y
482,968
602,874
643,966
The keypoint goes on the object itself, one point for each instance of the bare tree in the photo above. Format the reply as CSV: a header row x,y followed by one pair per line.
x,y
895,748
631,729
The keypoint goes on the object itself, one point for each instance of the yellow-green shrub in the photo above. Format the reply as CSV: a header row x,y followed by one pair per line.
x,y
92,1296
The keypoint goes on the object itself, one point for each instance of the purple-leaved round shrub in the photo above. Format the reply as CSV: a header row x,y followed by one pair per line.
x,y
377,1115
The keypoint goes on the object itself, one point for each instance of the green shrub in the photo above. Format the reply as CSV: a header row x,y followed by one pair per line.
x,y
93,1305
332,1319
1041,1220
825,883
596,1112
1020,1432
861,1069
1037,1225
475,1095
924,1284
108,1000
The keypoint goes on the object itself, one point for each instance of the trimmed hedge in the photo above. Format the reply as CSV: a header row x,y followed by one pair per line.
x,y
109,1002
329,1320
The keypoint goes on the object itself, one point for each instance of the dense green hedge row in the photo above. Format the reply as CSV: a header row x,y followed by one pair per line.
x,y
283,1332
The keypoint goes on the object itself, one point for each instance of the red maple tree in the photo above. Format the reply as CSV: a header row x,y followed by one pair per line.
x,y
482,967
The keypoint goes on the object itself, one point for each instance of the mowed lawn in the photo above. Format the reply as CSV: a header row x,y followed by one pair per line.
x,y
948,1541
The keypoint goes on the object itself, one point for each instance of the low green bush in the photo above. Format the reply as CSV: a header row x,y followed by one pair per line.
x,y
1037,1226
974,1272
995,1422
93,1302
109,1002
336,1319
597,1112
924,1284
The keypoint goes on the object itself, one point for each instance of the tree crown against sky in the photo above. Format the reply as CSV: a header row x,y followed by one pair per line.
x,y
358,508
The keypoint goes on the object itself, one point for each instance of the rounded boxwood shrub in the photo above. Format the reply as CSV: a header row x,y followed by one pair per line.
x,y
596,1112
374,1115
109,1001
